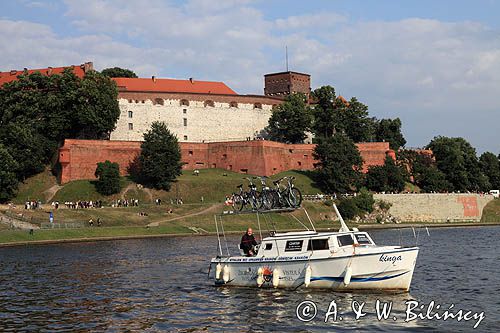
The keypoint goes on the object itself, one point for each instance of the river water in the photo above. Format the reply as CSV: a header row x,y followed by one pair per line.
x,y
161,285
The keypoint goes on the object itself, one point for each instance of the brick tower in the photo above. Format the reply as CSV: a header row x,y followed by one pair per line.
x,y
286,83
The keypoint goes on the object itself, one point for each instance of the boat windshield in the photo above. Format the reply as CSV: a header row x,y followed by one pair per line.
x,y
363,239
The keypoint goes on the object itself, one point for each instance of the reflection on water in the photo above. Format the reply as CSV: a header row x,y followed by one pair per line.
x,y
161,285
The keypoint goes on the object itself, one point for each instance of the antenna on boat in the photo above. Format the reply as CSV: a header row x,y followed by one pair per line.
x,y
343,226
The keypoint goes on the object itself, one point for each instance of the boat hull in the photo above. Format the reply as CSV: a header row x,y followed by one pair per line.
x,y
379,270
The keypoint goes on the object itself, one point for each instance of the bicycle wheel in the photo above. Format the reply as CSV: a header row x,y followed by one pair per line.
x,y
267,200
295,197
238,202
255,200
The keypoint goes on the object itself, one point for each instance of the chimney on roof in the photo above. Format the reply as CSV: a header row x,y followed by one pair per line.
x,y
88,66
191,79
13,72
153,78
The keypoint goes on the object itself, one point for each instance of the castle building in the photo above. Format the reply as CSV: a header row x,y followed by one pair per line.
x,y
195,111
215,125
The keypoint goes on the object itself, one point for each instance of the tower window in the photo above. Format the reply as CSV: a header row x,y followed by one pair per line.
x,y
233,105
185,121
184,102
130,114
184,111
209,103
130,126
185,137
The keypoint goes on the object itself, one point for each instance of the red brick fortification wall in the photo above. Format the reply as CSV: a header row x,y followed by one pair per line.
x,y
78,158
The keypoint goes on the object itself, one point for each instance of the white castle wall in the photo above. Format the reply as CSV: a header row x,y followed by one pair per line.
x,y
203,123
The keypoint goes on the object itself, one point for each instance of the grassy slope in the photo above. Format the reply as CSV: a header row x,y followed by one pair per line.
x,y
211,184
491,213
34,187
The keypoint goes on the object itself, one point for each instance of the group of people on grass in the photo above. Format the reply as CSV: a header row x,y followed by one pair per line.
x,y
82,204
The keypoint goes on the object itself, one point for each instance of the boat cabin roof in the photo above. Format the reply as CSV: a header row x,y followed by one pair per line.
x,y
310,234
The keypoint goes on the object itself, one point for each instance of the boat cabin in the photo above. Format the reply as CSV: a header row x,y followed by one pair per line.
x,y
307,242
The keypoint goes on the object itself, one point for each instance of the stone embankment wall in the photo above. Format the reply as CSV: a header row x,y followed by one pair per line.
x,y
451,207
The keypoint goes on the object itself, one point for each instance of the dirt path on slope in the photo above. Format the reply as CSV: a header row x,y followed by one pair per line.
x,y
134,187
51,192
201,212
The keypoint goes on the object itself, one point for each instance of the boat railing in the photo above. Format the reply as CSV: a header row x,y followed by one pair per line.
x,y
271,226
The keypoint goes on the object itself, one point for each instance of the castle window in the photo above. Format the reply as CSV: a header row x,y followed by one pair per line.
x,y
185,121
130,114
257,106
185,137
142,101
137,101
233,105
184,102
184,111
209,103
158,101
130,126
190,153
130,101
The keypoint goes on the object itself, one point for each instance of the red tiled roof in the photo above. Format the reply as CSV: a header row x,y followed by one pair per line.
x,y
12,75
343,100
172,85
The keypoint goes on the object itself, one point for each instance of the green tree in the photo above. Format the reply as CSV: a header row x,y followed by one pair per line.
x,y
37,112
386,178
8,179
325,118
457,159
98,108
389,130
356,122
118,72
423,169
290,120
339,164
490,167
32,151
430,179
108,178
160,158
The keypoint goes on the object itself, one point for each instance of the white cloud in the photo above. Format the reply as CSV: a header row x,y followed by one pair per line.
x,y
439,77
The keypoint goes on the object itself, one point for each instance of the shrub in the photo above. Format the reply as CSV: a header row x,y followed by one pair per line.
x,y
348,209
108,175
364,200
384,205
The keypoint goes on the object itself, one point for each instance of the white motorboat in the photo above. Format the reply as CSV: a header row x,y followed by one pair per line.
x,y
343,260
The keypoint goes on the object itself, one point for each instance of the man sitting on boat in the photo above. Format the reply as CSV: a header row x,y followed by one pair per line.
x,y
248,242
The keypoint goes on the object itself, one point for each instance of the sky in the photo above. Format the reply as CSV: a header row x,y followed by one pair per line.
x,y
434,64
